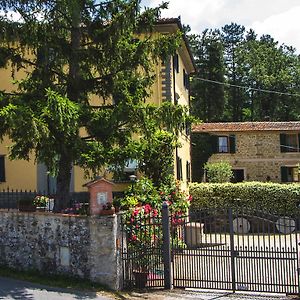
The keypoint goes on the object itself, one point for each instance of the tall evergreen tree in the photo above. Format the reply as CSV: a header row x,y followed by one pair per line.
x,y
273,68
233,38
208,98
77,55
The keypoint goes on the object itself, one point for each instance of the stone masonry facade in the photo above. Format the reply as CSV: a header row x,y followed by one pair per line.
x,y
258,154
80,246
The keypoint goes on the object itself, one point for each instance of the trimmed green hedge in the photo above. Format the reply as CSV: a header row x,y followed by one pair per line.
x,y
274,197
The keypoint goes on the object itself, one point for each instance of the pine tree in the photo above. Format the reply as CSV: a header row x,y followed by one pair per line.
x,y
78,55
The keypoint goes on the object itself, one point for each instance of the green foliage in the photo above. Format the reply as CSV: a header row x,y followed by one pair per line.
x,y
218,172
152,163
230,57
142,192
72,51
40,201
268,196
143,219
202,149
128,202
208,51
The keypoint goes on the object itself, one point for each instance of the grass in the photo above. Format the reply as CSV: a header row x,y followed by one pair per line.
x,y
54,280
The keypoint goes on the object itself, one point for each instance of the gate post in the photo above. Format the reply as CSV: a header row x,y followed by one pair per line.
x,y
232,252
166,246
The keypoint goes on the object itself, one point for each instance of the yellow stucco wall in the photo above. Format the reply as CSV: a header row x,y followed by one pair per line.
x,y
20,174
23,174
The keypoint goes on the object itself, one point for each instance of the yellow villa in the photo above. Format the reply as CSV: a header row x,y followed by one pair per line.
x,y
171,84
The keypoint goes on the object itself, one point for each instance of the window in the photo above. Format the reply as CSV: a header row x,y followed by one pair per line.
x,y
185,79
122,174
289,142
226,144
179,168
176,63
2,168
290,174
223,145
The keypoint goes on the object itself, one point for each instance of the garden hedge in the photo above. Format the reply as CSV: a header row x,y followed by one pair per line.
x,y
273,197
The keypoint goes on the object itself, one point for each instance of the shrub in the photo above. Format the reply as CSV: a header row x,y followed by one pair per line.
x,y
273,197
218,171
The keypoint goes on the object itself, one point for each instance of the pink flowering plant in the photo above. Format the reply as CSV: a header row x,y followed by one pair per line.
x,y
178,200
77,209
143,220
143,235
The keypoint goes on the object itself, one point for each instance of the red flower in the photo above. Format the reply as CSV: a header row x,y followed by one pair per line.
x,y
147,209
135,212
154,213
133,237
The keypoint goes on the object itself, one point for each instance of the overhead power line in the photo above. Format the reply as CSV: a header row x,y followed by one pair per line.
x,y
247,87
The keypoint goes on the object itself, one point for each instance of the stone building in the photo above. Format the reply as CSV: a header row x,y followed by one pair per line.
x,y
257,151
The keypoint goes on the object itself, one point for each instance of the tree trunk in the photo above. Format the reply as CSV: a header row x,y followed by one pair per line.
x,y
65,163
62,199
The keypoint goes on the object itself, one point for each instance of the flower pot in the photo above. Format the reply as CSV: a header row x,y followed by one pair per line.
x,y
107,212
140,279
41,208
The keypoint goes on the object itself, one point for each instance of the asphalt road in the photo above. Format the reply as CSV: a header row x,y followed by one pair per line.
x,y
21,290
16,289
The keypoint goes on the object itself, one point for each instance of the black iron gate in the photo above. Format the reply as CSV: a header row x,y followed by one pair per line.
x,y
230,249
235,250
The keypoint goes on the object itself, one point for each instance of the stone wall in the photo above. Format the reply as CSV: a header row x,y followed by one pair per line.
x,y
85,247
258,154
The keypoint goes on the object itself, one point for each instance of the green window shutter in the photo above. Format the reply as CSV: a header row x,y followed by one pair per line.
x,y
188,171
213,140
2,169
283,142
176,63
232,143
284,174
179,168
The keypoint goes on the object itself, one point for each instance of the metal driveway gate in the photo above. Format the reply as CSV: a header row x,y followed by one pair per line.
x,y
235,249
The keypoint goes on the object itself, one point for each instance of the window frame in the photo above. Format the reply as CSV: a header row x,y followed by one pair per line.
x,y
289,148
287,175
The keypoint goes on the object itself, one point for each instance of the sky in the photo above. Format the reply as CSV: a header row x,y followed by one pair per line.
x,y
279,18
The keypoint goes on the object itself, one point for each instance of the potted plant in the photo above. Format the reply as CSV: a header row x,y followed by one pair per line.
x,y
107,209
26,204
40,202
143,237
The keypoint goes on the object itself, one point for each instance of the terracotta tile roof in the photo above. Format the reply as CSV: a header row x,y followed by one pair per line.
x,y
247,126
